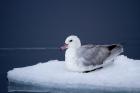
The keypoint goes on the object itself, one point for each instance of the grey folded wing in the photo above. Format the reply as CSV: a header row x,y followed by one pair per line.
x,y
92,54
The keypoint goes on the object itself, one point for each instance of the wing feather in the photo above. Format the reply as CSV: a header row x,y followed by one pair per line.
x,y
92,54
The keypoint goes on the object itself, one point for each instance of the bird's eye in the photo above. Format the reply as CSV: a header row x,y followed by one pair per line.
x,y
70,40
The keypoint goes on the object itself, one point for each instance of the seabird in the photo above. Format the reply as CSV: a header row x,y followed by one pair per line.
x,y
86,58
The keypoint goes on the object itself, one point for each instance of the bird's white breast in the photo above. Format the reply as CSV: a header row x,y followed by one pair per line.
x,y
72,61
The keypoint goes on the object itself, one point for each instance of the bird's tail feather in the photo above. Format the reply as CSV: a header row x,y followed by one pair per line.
x,y
114,52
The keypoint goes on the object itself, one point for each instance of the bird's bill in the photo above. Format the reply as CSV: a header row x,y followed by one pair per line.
x,y
65,46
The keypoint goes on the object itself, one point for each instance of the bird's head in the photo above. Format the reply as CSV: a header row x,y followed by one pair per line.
x,y
71,41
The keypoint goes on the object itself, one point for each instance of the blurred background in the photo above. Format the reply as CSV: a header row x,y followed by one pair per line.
x,y
46,23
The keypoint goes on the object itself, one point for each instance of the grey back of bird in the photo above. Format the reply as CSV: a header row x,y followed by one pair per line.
x,y
96,54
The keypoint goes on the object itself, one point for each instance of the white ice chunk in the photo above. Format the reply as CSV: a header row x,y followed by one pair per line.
x,y
124,73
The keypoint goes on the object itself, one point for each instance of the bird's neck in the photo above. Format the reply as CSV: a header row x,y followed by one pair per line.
x,y
74,46
70,54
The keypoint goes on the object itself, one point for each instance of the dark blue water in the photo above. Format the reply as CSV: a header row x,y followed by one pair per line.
x,y
46,23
